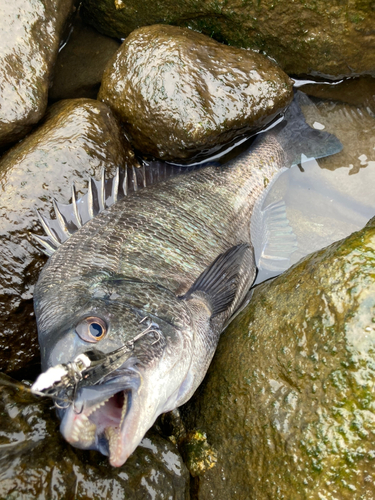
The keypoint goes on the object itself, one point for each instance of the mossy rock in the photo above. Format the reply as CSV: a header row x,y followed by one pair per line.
x,y
288,403
305,37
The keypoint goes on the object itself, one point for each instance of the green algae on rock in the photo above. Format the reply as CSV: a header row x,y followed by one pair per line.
x,y
30,33
76,139
179,92
36,462
288,402
333,38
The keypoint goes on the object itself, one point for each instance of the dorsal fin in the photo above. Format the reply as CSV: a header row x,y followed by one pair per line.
x,y
101,194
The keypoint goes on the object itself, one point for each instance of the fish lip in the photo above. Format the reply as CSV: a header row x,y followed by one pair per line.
x,y
82,423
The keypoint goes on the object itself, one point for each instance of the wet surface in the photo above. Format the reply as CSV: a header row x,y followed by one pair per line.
x,y
308,36
179,92
80,64
31,33
288,399
77,139
302,419
36,462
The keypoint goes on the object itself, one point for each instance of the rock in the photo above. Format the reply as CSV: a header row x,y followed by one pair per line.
x,y
31,33
308,37
357,91
36,462
80,64
179,92
77,139
288,403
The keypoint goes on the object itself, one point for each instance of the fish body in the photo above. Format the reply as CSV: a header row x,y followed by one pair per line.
x,y
162,271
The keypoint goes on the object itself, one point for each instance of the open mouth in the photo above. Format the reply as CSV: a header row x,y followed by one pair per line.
x,y
98,422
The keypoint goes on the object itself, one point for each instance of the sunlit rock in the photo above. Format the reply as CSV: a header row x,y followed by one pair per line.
x,y
30,34
76,139
288,403
306,37
179,92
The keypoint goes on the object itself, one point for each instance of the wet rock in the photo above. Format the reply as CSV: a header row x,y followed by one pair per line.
x,y
357,91
308,37
179,92
36,462
30,34
77,139
288,403
80,64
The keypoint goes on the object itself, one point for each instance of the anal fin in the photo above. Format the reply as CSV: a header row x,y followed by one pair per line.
x,y
273,239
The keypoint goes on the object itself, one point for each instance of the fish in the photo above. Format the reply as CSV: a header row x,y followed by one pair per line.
x,y
138,287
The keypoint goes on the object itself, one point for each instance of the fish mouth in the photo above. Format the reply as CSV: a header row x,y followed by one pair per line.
x,y
103,418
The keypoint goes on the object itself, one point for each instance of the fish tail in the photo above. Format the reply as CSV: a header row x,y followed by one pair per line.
x,y
296,137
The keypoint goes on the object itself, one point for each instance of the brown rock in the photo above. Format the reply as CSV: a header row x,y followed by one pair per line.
x,y
179,92
306,37
80,64
76,139
30,34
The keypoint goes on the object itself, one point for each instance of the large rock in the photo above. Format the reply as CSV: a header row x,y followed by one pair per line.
x,y
36,462
288,403
77,139
313,36
30,32
179,92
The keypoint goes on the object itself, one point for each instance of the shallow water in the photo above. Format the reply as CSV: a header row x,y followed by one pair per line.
x,y
330,198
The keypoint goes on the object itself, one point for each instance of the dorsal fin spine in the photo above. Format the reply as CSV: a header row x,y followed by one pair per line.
x,y
135,183
115,185
77,216
101,194
60,219
47,230
125,183
90,198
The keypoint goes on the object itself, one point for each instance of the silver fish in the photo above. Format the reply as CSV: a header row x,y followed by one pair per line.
x,y
132,301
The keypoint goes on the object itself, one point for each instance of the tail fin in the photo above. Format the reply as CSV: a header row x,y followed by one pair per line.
x,y
296,137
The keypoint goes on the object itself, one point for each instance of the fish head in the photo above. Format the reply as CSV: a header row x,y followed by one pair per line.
x,y
97,315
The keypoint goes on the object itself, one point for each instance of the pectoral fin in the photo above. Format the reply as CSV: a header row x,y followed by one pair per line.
x,y
219,283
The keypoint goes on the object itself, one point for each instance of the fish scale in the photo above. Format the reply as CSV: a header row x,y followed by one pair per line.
x,y
177,256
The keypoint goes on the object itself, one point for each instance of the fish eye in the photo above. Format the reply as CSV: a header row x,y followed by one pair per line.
x,y
91,329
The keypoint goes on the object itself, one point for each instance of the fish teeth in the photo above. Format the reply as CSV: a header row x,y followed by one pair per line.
x,y
124,408
96,407
112,434
83,431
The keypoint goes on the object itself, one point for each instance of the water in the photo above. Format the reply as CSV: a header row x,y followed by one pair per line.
x,y
330,198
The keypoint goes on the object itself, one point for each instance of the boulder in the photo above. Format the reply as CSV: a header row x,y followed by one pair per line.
x,y
36,462
288,403
76,139
30,34
309,37
179,92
